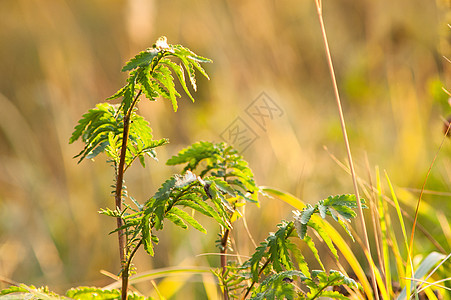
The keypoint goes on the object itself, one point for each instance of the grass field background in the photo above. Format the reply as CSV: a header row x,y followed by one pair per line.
x,y
59,58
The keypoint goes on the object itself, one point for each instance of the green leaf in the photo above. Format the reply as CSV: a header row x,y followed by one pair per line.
x,y
339,207
110,213
84,293
178,70
345,227
299,257
343,205
183,54
146,236
118,94
28,292
194,205
199,67
278,286
94,129
220,162
216,194
176,220
101,130
14,289
255,260
129,93
183,51
222,186
191,60
306,214
144,58
92,116
202,207
165,190
194,154
88,293
321,281
308,240
163,75
326,238
148,86
322,209
190,220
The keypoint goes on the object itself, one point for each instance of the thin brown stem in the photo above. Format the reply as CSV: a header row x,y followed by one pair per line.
x,y
118,194
412,235
348,148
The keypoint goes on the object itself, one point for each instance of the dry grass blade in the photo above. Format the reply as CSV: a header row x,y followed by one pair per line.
x,y
348,148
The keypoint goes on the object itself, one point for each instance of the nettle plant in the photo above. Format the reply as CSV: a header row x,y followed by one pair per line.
x,y
215,182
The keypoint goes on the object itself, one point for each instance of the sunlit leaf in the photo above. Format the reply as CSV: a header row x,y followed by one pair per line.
x,y
144,58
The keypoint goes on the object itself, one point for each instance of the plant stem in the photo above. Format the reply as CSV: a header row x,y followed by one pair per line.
x,y
348,148
126,269
224,241
118,195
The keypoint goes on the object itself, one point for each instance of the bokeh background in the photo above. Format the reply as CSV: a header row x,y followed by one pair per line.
x,y
59,58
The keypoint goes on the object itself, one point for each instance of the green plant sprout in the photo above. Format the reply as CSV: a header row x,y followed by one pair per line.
x,y
224,184
124,136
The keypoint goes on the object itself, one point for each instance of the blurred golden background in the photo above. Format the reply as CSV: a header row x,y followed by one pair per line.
x,y
59,58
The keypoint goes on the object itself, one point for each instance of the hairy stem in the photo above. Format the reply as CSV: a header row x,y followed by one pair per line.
x,y
126,269
118,195
348,148
224,241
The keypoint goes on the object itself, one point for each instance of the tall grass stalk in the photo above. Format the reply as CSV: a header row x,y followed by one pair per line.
x,y
348,148
412,235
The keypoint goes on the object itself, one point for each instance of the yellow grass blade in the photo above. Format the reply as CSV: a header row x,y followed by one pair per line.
x,y
445,225
382,208
162,272
286,197
349,257
409,266
210,285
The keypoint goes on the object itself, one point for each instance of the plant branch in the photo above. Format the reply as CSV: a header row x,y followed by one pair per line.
x,y
348,148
